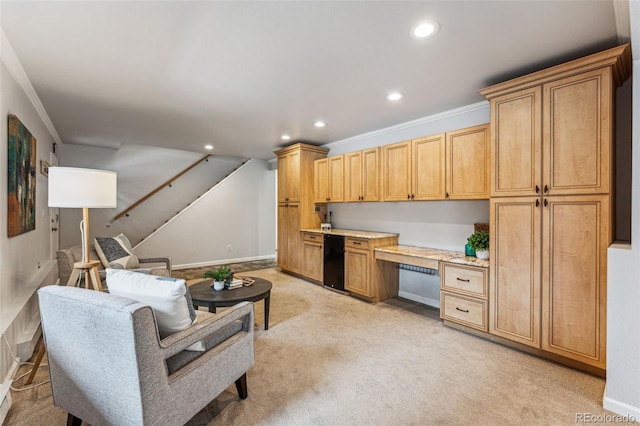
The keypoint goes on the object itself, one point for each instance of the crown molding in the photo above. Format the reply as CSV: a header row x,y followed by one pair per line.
x,y
10,59
413,123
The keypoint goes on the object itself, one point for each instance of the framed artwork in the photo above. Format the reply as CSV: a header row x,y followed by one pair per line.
x,y
21,197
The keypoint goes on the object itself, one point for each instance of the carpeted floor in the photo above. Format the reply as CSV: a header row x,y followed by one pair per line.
x,y
330,359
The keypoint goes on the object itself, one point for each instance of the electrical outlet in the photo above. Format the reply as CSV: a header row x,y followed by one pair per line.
x,y
228,247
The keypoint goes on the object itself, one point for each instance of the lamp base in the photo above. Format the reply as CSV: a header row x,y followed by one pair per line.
x,y
90,271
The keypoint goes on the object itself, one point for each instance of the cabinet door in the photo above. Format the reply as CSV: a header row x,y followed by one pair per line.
x,y
514,272
396,172
428,167
516,156
577,133
356,271
467,163
283,236
294,238
353,176
313,258
292,183
371,174
282,179
574,273
336,179
321,180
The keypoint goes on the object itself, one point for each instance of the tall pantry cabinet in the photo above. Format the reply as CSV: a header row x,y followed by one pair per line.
x,y
295,201
551,216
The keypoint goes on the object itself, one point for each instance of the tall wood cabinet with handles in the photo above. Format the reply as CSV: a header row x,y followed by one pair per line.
x,y
295,201
550,209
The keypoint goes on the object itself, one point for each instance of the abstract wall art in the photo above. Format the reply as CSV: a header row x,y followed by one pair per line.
x,y
21,199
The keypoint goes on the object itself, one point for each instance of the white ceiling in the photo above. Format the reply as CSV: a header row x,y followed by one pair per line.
x,y
239,74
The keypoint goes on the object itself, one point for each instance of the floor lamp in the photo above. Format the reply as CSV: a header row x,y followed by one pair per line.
x,y
71,187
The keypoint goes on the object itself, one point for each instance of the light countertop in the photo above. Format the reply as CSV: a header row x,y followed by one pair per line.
x,y
434,254
352,233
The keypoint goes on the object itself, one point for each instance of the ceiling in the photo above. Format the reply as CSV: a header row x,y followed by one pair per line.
x,y
238,75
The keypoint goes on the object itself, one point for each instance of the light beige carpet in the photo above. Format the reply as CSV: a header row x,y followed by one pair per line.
x,y
330,359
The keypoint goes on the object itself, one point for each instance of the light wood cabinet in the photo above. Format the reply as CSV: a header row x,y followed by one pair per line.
x,y
414,170
463,295
312,256
574,265
289,239
449,165
366,277
551,222
295,202
514,308
329,180
362,175
467,154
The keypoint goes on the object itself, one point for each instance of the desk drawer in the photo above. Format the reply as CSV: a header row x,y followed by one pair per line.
x,y
356,243
466,311
313,237
462,279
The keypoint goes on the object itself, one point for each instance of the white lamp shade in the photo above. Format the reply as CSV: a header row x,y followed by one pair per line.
x,y
80,188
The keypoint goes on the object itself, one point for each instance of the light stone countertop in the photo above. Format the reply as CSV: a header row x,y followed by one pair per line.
x,y
434,254
352,233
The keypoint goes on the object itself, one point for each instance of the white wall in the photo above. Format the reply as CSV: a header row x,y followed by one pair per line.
x,y
622,394
240,212
140,169
25,260
439,224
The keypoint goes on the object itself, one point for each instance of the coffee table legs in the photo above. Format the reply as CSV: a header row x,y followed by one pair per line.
x,y
266,312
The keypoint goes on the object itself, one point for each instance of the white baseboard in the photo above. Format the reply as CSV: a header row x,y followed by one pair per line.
x,y
5,405
629,412
424,300
223,262
5,394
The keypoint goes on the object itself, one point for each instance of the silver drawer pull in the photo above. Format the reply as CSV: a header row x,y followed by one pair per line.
x,y
460,279
462,310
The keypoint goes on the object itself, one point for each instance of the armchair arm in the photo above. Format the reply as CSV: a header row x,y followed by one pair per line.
x,y
181,340
165,260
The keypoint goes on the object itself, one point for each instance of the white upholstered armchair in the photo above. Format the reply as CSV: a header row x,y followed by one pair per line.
x,y
109,366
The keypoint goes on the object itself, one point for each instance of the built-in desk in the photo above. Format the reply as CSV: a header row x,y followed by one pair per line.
x,y
426,257
463,281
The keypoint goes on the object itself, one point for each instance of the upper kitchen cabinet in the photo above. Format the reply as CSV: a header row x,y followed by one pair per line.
x,y
329,180
414,170
467,154
552,131
362,175
288,174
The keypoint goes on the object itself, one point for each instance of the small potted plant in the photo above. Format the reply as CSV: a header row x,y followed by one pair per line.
x,y
479,241
219,276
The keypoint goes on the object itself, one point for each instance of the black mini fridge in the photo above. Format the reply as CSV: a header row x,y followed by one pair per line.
x,y
334,261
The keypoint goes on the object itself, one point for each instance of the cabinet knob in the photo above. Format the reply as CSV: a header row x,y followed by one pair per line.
x,y
545,202
537,189
408,196
446,195
537,203
546,189
412,196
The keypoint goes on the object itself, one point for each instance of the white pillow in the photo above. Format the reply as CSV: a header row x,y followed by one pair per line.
x,y
168,297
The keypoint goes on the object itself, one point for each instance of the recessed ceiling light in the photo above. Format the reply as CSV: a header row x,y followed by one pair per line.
x,y
424,29
319,123
208,147
285,137
395,96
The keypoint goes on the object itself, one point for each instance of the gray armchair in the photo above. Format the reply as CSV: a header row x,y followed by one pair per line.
x,y
108,365
67,257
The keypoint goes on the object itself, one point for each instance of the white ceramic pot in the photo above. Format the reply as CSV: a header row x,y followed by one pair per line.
x,y
482,254
218,285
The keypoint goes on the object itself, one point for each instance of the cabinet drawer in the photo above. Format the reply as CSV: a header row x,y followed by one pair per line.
x,y
466,311
356,243
464,280
313,237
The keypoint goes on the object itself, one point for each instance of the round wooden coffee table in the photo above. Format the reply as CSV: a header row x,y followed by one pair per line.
x,y
203,294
